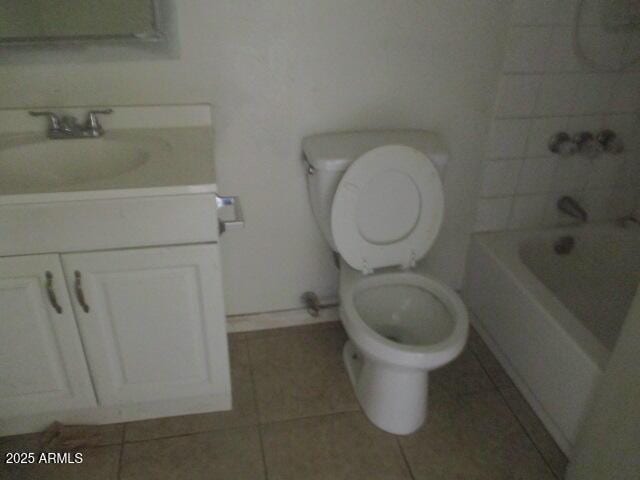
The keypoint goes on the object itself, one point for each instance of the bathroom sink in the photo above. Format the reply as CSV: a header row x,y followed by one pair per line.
x,y
146,151
56,163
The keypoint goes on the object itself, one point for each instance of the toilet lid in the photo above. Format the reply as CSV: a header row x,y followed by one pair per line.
x,y
387,209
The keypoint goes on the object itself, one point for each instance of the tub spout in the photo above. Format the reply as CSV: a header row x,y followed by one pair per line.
x,y
572,208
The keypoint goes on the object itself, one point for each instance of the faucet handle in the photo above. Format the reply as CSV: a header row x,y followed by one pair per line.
x,y
588,145
610,141
93,124
54,119
562,144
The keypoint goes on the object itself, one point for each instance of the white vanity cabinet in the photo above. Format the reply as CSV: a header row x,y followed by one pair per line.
x,y
152,323
42,363
110,336
111,305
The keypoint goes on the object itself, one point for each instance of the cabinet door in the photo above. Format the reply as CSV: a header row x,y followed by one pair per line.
x,y
42,364
152,322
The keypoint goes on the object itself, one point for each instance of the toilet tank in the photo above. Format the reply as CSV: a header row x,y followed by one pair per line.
x,y
329,156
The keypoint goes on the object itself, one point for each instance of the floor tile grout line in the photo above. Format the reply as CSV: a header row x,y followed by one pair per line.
x,y
529,436
522,426
484,368
258,423
189,434
264,457
257,409
121,454
313,415
406,460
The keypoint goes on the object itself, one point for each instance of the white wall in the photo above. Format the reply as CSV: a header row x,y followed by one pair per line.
x,y
278,70
545,89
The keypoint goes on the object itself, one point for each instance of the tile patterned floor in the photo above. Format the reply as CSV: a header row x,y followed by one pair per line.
x,y
295,417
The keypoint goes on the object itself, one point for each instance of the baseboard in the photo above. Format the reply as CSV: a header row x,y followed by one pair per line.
x,y
280,319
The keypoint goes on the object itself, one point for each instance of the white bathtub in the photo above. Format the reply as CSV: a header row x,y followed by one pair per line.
x,y
551,319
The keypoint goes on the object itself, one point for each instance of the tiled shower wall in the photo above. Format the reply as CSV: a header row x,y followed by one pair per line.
x,y
545,89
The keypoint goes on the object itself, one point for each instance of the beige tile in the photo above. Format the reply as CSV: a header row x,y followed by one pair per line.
x,y
100,463
17,444
225,454
333,447
473,437
538,433
300,373
498,375
462,376
97,435
244,410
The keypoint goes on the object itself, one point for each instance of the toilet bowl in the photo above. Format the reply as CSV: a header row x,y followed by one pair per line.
x,y
378,199
400,325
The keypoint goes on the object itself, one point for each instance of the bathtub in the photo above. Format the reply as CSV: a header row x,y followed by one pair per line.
x,y
551,319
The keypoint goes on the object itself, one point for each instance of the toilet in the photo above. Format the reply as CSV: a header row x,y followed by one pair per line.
x,y
378,200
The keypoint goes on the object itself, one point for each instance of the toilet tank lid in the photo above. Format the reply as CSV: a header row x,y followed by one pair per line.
x,y
336,151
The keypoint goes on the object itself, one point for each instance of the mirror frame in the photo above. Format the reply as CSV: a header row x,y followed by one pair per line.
x,y
158,35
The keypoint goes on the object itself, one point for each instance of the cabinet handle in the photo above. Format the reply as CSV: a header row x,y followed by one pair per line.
x,y
51,293
80,293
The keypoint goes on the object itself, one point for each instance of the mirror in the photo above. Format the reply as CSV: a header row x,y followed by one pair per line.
x,y
35,21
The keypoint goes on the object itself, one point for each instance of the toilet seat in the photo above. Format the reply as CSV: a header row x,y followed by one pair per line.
x,y
422,356
387,209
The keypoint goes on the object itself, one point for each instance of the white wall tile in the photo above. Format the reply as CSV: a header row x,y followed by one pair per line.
x,y
517,95
622,202
606,171
493,214
508,138
547,89
537,174
543,12
590,12
585,123
541,131
626,94
597,204
528,211
528,49
631,56
593,92
571,174
557,94
561,57
499,177
602,48
627,127
629,174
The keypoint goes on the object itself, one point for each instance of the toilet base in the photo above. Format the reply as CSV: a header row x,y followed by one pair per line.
x,y
394,398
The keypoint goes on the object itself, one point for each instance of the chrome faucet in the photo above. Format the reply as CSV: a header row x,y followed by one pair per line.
x,y
572,208
68,127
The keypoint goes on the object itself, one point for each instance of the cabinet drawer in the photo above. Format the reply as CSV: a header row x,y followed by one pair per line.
x,y
107,224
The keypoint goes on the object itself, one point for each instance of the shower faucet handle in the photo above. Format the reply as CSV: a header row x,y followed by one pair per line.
x,y
610,141
562,144
588,145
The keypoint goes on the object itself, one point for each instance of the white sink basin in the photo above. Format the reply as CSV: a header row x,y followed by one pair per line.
x,y
55,163
145,151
